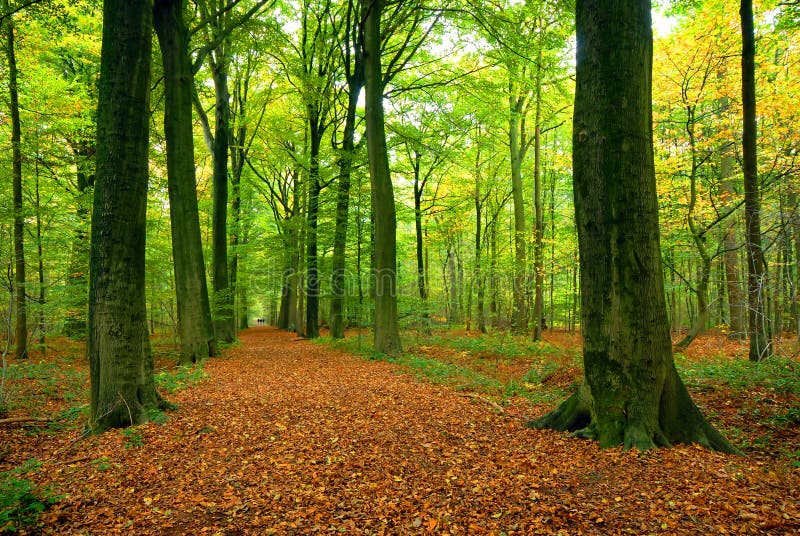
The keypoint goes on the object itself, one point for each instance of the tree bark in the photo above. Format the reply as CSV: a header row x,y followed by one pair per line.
x,y
354,73
121,366
632,394
20,302
40,260
387,334
75,326
478,198
538,221
312,219
195,323
520,315
736,297
757,320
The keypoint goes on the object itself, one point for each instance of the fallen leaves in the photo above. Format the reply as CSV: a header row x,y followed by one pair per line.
x,y
288,437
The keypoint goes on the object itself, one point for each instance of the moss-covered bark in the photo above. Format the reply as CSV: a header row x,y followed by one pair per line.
x,y
121,368
632,394
387,334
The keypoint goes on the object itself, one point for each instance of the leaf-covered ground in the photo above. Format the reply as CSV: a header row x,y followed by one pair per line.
x,y
290,437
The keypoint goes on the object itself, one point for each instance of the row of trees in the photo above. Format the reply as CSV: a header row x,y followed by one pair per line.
x,y
311,204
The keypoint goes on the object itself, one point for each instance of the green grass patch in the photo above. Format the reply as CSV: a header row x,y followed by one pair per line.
x,y
498,344
22,501
460,378
778,373
132,438
181,377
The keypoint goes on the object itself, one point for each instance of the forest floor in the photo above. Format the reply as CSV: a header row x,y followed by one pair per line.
x,y
286,436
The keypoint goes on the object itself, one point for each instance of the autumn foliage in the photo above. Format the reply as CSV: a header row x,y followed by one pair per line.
x,y
290,437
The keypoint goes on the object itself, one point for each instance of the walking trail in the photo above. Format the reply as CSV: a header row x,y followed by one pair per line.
x,y
289,437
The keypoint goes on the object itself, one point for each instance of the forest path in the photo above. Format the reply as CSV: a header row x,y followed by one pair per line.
x,y
289,437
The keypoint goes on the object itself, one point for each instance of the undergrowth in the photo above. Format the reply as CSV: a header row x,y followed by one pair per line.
x,y
21,501
181,377
777,373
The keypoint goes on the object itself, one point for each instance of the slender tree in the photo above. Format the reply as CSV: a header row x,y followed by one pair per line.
x,y
120,360
353,67
21,319
757,319
194,311
632,394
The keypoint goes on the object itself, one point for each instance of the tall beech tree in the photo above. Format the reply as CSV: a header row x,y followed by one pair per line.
x,y
757,320
194,312
632,394
351,50
120,360
387,334
21,317
218,22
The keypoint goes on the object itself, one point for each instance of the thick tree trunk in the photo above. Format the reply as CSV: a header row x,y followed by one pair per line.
x,y
387,334
632,394
758,322
121,367
21,318
195,324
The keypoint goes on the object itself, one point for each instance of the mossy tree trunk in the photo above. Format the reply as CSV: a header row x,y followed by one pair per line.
x,y
194,311
757,320
20,303
121,365
632,394
387,334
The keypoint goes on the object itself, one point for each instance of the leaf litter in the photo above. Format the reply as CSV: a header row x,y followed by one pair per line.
x,y
289,437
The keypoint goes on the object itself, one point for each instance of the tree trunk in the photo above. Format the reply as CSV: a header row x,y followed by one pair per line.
x,y
478,251
795,261
195,323
736,297
493,308
538,221
121,365
520,315
632,394
78,277
40,259
421,279
21,319
354,73
224,326
312,218
758,322
387,334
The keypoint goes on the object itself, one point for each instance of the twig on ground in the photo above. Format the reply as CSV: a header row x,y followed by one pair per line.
x,y
497,407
